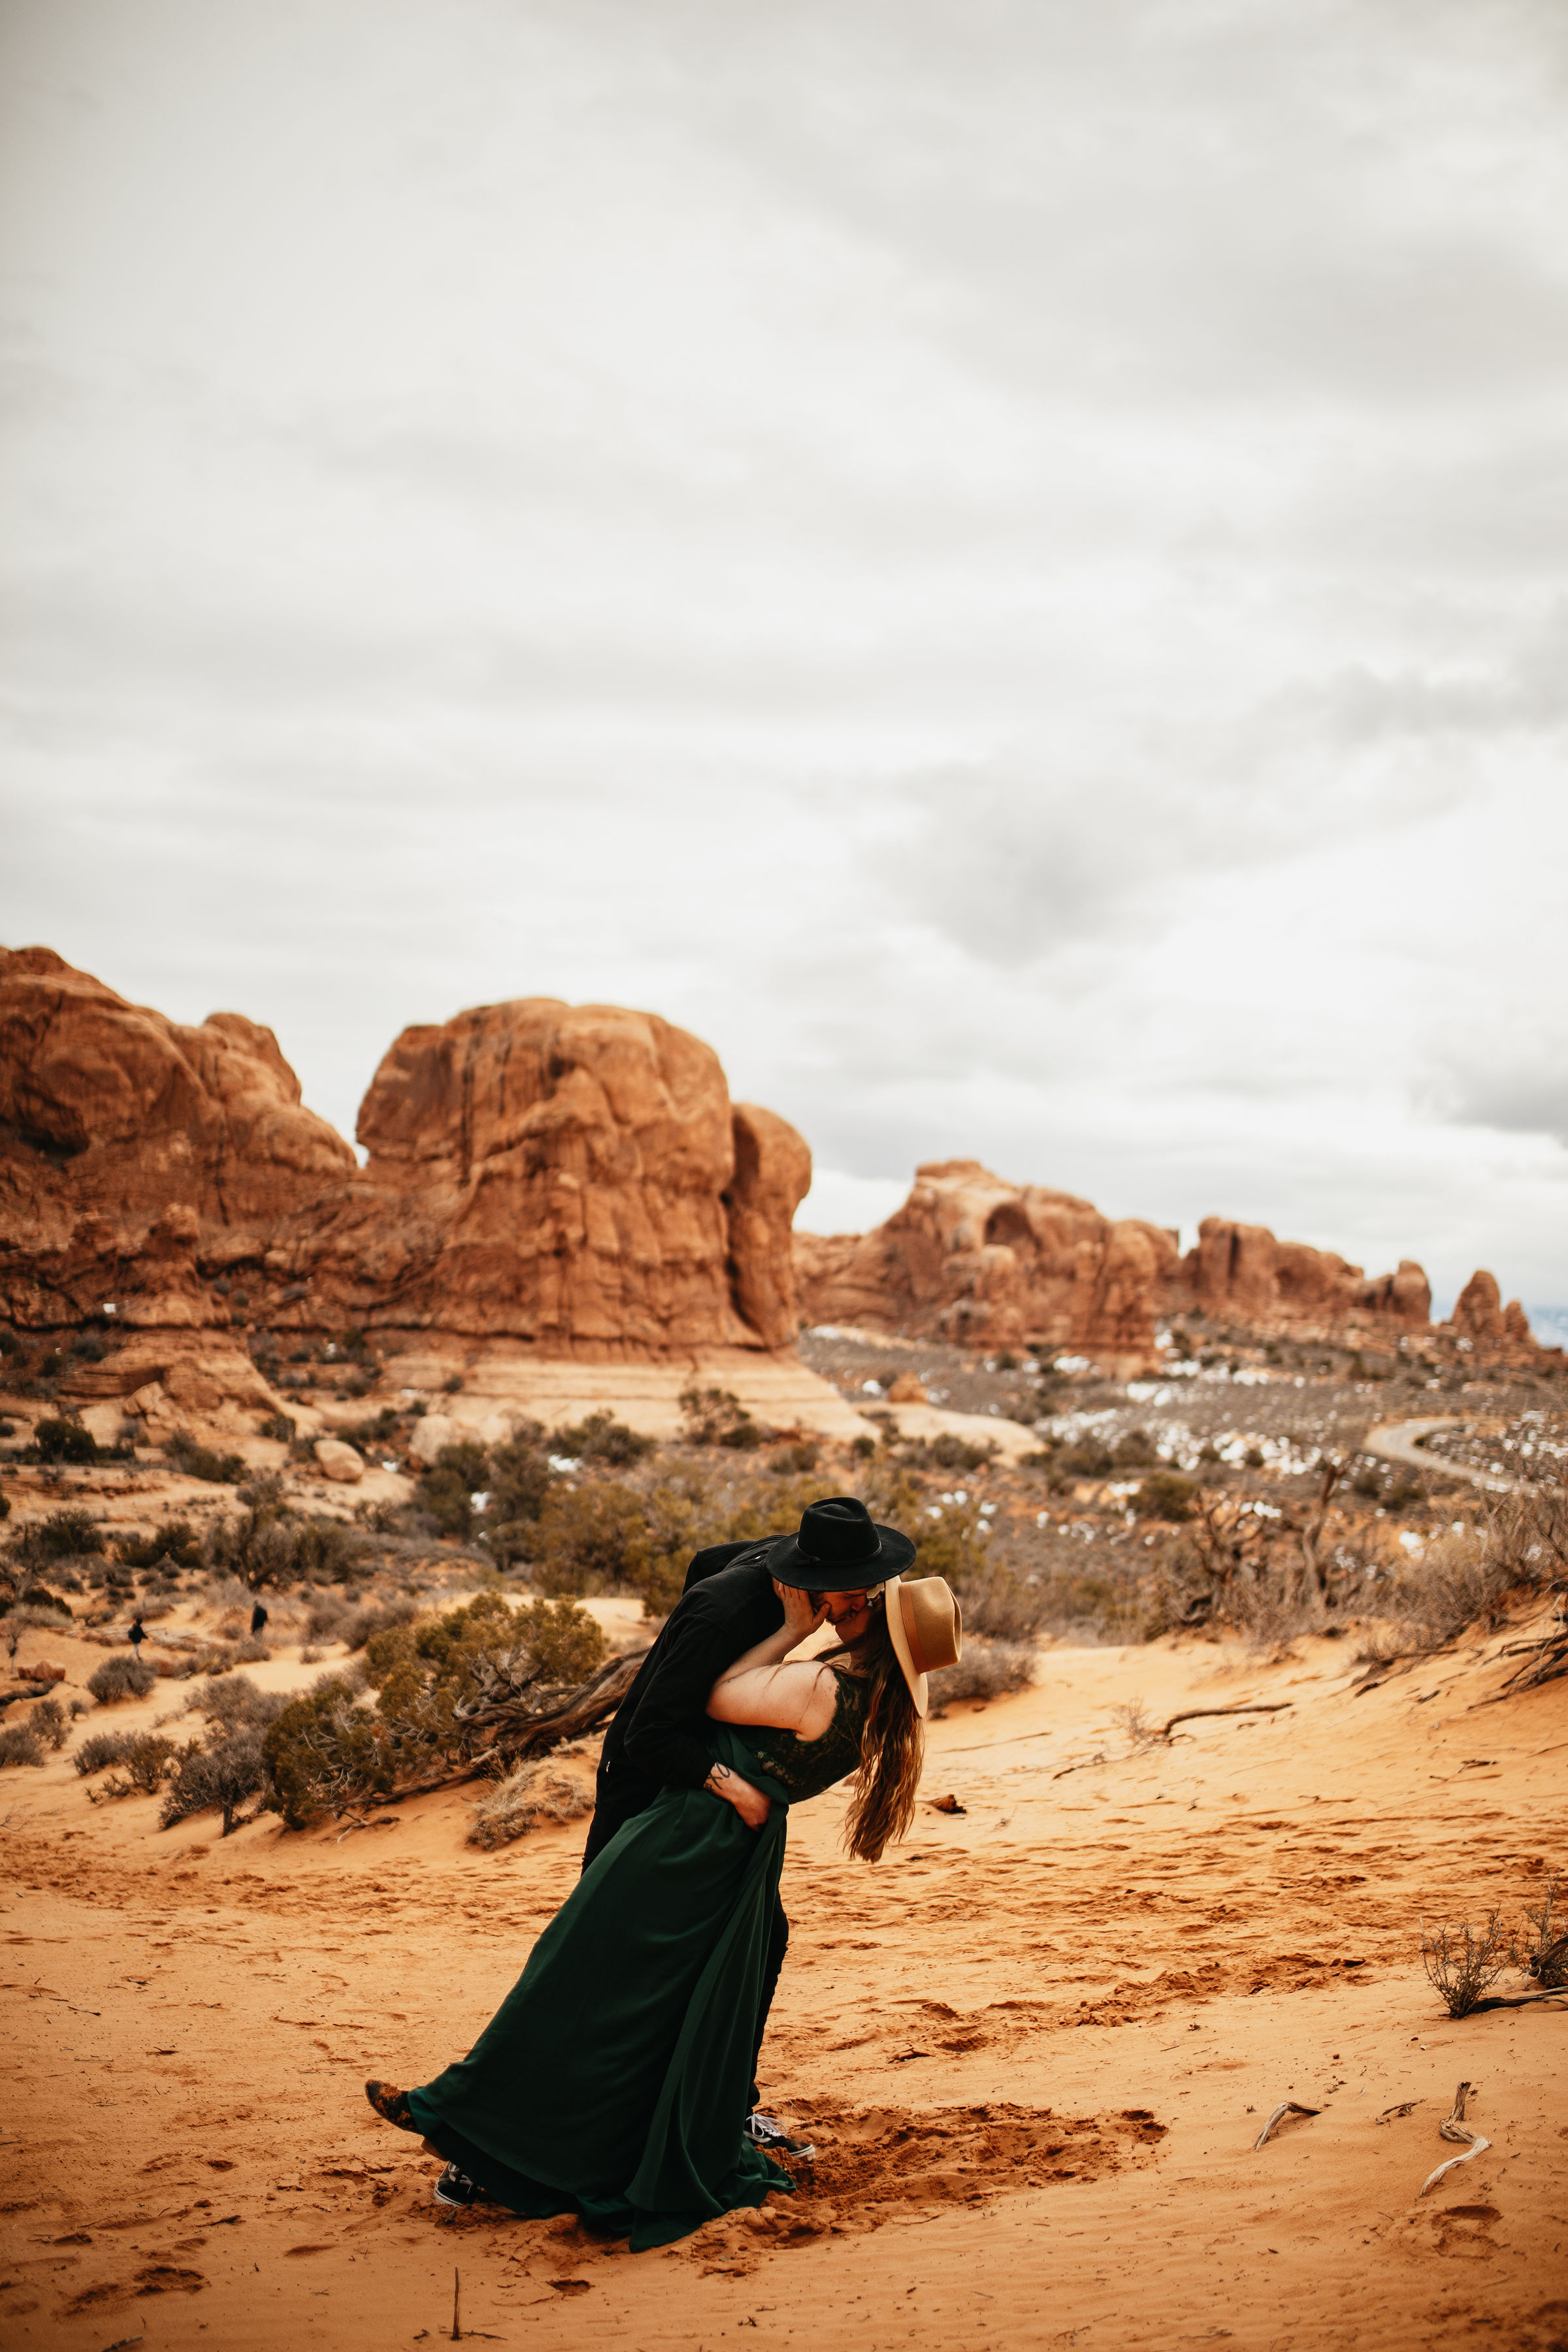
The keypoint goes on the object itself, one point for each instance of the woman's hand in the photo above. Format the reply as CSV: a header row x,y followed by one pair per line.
x,y
801,1617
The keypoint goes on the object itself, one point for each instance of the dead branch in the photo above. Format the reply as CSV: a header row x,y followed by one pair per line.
x,y
1191,1714
1333,1471
1285,2107
1453,2126
1518,2000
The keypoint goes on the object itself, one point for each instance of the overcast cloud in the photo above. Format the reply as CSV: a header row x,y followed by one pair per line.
x,y
1002,563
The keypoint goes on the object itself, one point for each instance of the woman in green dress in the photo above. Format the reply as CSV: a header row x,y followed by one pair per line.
x,y
614,2080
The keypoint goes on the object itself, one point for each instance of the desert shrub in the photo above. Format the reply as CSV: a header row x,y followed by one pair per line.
x,y
223,1776
379,1430
194,1460
146,1765
1546,1955
120,1676
231,1700
373,1617
1088,1459
40,1604
789,1459
448,1488
1165,1495
326,1751
1463,1963
603,1438
590,1537
99,1750
175,1543
1136,1451
529,1794
439,1682
270,1543
20,1744
281,1427
948,1451
10,1346
717,1417
986,1669
63,1535
65,1441
51,1722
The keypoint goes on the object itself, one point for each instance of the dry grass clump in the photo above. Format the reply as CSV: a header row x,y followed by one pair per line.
x,y
1546,1956
1464,1963
99,1750
20,1744
987,1669
529,1795
122,1677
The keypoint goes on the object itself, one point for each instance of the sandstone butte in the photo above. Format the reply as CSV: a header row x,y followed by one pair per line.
x,y
974,1259
574,1180
570,1181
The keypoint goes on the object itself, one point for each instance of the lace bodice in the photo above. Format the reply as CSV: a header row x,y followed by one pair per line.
x,y
804,1767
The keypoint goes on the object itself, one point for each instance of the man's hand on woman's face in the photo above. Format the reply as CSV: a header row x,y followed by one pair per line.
x,y
804,1612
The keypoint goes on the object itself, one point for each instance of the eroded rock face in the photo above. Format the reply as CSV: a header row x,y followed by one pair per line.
x,y
572,1177
976,1260
1241,1273
130,1143
1496,1333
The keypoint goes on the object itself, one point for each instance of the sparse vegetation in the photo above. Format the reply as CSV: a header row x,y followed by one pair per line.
x,y
194,1460
529,1794
20,1744
603,1438
122,1677
222,1776
716,1416
58,1440
987,1669
62,1535
142,1766
1464,1963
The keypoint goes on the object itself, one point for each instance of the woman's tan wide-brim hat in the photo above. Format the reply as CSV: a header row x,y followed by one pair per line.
x,y
925,1625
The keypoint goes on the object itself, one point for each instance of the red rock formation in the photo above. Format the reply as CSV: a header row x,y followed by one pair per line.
x,y
1242,1274
1493,1333
572,1177
972,1258
126,1140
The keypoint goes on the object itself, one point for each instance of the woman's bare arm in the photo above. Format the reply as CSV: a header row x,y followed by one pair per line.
x,y
760,1688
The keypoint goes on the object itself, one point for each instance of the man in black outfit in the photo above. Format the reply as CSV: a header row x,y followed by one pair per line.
x,y
657,1736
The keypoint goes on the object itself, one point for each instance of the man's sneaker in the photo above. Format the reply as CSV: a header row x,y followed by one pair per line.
x,y
455,2187
767,2131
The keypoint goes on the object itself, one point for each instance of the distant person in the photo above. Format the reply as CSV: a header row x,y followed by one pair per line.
x,y
612,2082
138,1633
258,1621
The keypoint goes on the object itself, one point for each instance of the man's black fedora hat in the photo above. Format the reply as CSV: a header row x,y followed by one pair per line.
x,y
839,1548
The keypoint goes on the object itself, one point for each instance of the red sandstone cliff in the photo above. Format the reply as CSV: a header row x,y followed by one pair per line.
x,y
1242,1274
974,1259
575,1177
1497,1333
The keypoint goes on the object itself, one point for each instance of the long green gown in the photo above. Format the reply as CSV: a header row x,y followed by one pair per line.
x,y
614,2079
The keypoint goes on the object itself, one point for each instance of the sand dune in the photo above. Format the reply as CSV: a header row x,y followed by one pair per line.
x,y
1033,2049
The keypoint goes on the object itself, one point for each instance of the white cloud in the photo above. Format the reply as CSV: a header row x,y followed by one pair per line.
x,y
1004,565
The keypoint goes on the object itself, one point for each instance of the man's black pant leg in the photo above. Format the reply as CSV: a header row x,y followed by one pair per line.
x,y
778,1944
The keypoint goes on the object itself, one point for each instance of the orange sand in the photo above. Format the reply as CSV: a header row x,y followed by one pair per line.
x,y
1033,2047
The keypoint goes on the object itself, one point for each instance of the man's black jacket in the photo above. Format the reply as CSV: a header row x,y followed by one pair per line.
x,y
657,1736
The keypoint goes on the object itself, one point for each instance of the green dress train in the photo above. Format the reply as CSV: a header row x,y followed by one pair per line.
x,y
613,2081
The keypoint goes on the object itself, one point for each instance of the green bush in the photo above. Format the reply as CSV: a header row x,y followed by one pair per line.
x,y
174,1543
64,1535
1165,1495
122,1677
197,1461
65,1441
448,1488
717,1417
330,1752
603,1438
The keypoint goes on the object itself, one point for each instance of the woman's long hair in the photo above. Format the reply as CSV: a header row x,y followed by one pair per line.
x,y
892,1750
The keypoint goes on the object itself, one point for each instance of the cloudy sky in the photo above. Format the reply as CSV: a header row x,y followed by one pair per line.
x,y
1005,563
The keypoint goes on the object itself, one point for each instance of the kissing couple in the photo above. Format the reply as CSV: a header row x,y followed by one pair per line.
x,y
617,2079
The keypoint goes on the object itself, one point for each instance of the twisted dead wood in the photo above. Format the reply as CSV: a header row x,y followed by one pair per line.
x,y
1285,2107
1453,2126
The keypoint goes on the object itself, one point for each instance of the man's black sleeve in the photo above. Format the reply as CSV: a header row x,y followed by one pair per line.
x,y
663,1739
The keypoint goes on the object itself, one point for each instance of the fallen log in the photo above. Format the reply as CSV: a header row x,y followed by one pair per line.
x,y
1285,2107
